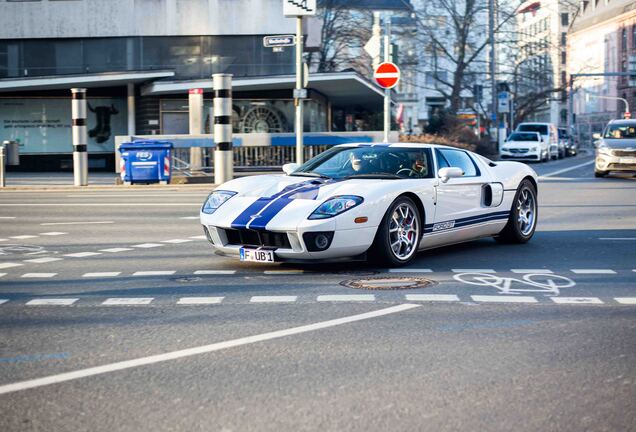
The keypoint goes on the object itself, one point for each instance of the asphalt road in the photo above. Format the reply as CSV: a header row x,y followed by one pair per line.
x,y
116,316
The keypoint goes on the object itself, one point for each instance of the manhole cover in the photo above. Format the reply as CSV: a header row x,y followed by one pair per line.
x,y
16,249
388,283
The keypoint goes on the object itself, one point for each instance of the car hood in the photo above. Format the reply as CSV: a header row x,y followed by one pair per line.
x,y
620,143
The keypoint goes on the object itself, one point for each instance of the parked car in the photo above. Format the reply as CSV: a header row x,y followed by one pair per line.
x,y
570,145
528,146
616,148
549,134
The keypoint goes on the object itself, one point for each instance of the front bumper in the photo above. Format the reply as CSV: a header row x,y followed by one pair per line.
x,y
605,162
527,156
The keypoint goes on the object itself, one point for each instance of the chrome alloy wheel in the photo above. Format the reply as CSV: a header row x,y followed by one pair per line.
x,y
526,211
404,231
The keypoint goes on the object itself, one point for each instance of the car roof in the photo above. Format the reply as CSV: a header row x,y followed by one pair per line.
x,y
622,121
398,145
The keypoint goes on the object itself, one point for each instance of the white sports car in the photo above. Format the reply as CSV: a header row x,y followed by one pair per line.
x,y
379,201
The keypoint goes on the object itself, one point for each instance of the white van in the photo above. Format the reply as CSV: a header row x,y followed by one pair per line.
x,y
549,135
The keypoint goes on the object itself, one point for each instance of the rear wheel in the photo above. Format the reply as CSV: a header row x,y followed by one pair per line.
x,y
522,221
398,235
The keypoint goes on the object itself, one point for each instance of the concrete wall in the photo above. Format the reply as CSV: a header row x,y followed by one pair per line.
x,y
111,18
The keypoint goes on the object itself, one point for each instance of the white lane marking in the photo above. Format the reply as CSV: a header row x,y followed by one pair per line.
x,y
53,233
39,275
473,271
532,271
283,272
626,300
78,223
43,260
410,270
200,300
176,241
115,250
190,217
593,271
52,302
101,274
215,272
3,301
2,275
148,245
23,237
143,361
564,170
8,217
9,265
127,301
155,273
577,300
1,239
273,299
432,297
618,238
82,254
200,237
346,298
500,299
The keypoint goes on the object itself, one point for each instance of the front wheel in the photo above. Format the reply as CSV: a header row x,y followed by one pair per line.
x,y
600,174
398,235
522,221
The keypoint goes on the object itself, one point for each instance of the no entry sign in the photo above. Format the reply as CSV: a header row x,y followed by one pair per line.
x,y
387,75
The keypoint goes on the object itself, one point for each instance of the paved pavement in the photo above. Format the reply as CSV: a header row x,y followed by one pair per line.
x,y
114,315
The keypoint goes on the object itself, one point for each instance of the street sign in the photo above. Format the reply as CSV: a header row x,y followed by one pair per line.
x,y
387,75
279,41
300,93
299,7
503,105
373,46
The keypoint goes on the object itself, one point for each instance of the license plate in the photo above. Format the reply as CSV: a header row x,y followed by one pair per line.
x,y
257,255
628,161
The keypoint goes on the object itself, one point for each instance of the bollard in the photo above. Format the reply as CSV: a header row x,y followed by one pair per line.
x,y
195,111
2,166
223,154
80,137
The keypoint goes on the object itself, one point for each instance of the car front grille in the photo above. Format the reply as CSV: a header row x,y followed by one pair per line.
x,y
247,237
624,153
518,151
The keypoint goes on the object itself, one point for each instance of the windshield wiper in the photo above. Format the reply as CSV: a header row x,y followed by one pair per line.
x,y
375,176
309,174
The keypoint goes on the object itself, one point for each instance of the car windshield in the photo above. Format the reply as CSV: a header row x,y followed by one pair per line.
x,y
542,129
621,131
520,136
370,162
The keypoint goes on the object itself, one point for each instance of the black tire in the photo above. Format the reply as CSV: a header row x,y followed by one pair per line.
x,y
513,232
600,174
381,252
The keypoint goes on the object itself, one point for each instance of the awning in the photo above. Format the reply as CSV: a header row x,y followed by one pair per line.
x,y
59,82
341,88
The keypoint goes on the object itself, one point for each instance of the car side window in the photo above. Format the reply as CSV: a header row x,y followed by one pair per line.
x,y
459,159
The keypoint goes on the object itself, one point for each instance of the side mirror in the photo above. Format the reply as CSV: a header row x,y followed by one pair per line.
x,y
446,174
290,168
596,136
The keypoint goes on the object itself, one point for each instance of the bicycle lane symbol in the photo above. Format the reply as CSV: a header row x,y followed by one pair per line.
x,y
549,284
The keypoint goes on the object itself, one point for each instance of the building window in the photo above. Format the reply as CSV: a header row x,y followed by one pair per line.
x,y
563,57
565,19
634,36
624,39
564,38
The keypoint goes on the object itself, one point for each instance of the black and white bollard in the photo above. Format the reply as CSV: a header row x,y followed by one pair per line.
x,y
80,137
223,154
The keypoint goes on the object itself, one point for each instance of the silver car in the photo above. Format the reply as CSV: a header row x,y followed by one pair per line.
x,y
616,148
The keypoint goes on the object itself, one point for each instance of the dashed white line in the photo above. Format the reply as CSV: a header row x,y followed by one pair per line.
x,y
190,217
3,240
176,241
618,238
564,170
200,300
2,275
410,270
500,299
43,260
143,361
82,254
593,271
3,301
8,217
127,301
39,275
577,300
200,237
273,299
346,298
473,271
148,245
23,237
77,223
532,271
9,265
155,273
52,302
101,274
432,297
283,272
53,233
115,250
626,300
215,272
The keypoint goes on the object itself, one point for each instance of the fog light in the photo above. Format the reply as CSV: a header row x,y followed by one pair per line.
x,y
318,241
321,241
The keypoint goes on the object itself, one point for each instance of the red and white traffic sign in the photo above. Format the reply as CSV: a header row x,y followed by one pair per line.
x,y
387,75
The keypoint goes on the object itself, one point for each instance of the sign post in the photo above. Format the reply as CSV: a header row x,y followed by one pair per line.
x,y
299,8
387,75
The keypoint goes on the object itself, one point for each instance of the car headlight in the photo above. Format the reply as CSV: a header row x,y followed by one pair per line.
x,y
216,200
335,206
533,149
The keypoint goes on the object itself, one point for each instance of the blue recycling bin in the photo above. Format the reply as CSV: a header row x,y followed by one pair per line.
x,y
146,162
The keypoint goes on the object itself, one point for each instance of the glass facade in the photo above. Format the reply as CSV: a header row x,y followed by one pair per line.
x,y
191,57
